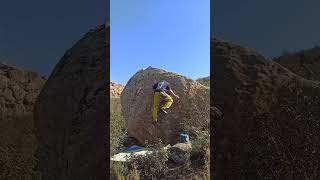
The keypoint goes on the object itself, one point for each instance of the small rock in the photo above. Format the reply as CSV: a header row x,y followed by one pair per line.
x,y
180,153
183,146
129,141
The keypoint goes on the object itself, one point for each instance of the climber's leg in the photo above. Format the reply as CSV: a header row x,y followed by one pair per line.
x,y
168,100
156,101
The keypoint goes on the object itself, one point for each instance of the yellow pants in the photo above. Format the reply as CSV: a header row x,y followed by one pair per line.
x,y
156,101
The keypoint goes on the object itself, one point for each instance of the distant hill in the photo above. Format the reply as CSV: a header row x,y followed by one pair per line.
x,y
204,81
305,63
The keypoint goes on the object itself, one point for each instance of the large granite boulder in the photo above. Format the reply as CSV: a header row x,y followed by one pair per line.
x,y
191,110
71,112
18,91
270,123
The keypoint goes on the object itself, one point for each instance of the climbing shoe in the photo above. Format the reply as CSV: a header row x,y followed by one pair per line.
x,y
164,111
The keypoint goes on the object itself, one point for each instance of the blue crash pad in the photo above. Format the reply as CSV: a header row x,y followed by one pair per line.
x,y
134,148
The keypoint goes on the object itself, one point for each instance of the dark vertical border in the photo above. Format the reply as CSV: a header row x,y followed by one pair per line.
x,y
211,93
107,140
211,90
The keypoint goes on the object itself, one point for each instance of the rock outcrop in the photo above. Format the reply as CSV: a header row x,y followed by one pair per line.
x,y
271,118
115,90
18,91
305,63
192,109
204,81
115,93
71,112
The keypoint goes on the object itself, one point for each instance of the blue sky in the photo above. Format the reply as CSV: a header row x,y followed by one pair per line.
x,y
169,34
269,26
34,34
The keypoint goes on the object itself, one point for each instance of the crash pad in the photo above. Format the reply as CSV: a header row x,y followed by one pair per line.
x,y
134,148
134,151
126,156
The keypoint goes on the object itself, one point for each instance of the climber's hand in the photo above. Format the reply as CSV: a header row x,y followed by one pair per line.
x,y
177,96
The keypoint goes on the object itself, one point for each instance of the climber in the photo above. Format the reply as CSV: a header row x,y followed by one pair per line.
x,y
161,90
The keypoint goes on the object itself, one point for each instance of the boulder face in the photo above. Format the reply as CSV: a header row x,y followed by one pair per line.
x,y
115,90
270,117
18,90
192,109
71,112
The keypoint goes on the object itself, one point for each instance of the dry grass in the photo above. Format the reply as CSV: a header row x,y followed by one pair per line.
x,y
286,144
17,148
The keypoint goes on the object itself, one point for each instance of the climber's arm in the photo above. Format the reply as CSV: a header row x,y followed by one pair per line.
x,y
171,92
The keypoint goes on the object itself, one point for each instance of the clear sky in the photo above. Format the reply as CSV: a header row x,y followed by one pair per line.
x,y
269,26
34,34
169,34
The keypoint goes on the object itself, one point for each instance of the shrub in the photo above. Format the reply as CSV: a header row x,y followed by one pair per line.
x,y
200,145
117,132
117,128
151,166
120,170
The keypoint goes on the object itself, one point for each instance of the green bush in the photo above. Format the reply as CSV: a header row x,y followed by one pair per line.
x,y
117,132
117,127
200,145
